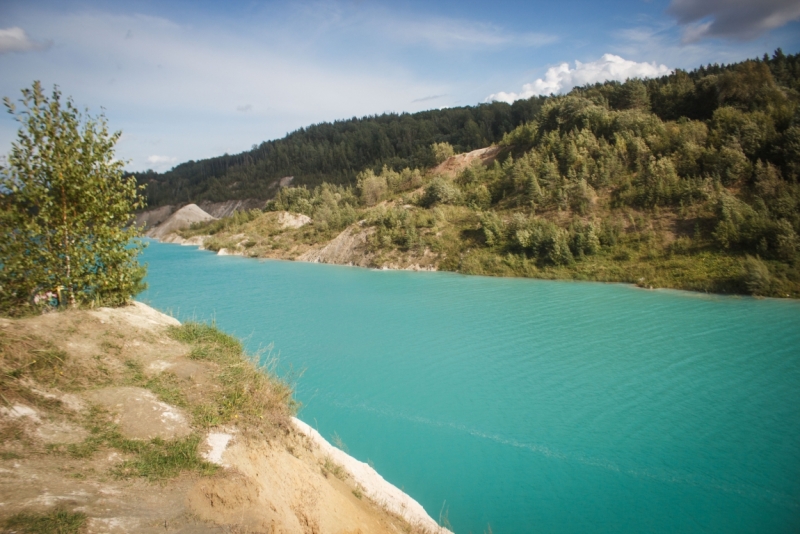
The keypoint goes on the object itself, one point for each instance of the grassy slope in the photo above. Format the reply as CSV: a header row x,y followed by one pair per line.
x,y
71,462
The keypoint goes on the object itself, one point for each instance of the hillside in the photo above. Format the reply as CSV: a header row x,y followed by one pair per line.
x,y
598,187
124,420
336,152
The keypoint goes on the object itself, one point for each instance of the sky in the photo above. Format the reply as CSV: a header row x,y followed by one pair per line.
x,y
187,80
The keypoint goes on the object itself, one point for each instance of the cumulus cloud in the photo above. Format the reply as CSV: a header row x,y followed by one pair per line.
x,y
562,78
16,40
732,19
161,162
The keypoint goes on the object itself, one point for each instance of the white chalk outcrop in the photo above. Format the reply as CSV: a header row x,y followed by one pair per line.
x,y
347,248
180,220
373,485
292,220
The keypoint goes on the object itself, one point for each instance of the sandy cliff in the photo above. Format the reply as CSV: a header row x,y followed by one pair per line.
x,y
112,419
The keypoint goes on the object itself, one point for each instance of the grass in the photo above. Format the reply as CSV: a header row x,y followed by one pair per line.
x,y
57,521
155,459
329,466
159,459
242,392
166,385
249,392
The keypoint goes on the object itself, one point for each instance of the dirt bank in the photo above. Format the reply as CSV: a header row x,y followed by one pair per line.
x,y
123,420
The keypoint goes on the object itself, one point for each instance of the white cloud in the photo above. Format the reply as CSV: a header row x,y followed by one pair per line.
x,y
158,163
562,78
733,19
171,82
454,33
16,40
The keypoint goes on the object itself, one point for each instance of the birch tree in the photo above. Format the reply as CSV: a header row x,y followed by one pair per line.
x,y
65,207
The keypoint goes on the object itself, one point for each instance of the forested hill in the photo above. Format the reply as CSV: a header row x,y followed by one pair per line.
x,y
337,152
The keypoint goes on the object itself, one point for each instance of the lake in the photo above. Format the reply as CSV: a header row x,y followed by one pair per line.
x,y
526,405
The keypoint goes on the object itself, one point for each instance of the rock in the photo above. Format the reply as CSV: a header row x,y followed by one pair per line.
x,y
229,207
137,314
292,220
348,247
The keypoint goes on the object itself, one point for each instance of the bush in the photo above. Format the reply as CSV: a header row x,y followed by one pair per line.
x,y
757,277
65,206
441,191
442,151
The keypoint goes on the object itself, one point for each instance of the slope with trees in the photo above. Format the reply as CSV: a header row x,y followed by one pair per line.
x,y
686,181
336,152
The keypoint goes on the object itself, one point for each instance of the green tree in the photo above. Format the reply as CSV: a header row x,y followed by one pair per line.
x,y
442,151
65,207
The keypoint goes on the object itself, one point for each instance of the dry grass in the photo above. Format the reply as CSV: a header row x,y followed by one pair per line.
x,y
83,353
249,395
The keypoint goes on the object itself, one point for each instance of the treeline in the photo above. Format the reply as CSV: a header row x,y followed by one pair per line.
x,y
624,177
737,165
336,152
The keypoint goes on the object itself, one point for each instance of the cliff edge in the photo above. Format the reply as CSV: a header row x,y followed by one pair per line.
x,y
124,420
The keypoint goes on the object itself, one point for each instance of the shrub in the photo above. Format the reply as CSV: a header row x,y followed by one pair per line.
x,y
442,151
441,191
65,206
757,277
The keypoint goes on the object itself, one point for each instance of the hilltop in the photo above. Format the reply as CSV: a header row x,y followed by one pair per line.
x,y
335,153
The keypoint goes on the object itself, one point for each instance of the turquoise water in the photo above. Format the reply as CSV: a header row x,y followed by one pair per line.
x,y
525,405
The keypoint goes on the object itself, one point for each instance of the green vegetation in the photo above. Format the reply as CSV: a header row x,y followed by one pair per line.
x,y
687,181
57,521
337,152
249,391
64,206
155,459
329,466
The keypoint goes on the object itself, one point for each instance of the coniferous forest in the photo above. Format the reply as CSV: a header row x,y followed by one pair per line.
x,y
336,152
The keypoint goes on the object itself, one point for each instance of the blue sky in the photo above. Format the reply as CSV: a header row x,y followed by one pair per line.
x,y
190,80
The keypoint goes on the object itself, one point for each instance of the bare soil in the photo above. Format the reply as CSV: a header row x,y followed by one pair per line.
x,y
72,376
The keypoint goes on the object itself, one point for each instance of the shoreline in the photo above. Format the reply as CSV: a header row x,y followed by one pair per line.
x,y
197,241
374,486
